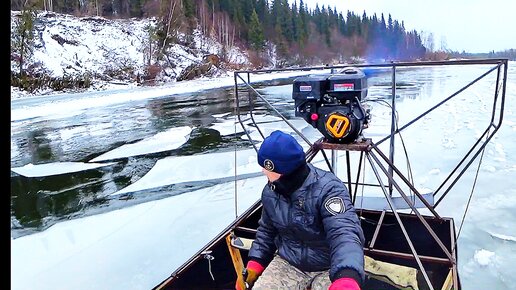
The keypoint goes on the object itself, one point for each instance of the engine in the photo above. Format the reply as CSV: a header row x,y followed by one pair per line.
x,y
333,104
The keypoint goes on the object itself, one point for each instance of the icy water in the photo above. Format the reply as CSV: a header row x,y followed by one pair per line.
x,y
38,202
120,191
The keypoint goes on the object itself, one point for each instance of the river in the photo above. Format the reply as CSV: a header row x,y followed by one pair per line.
x,y
102,183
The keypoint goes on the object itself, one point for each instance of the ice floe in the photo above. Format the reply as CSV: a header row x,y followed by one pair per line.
x,y
56,168
163,141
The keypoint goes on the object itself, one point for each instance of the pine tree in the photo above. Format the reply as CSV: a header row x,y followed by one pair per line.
x,y
301,26
303,20
256,37
189,8
22,38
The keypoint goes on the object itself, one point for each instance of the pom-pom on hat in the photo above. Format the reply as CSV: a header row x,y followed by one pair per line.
x,y
280,153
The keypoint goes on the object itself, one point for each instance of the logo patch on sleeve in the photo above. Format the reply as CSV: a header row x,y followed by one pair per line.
x,y
335,205
268,164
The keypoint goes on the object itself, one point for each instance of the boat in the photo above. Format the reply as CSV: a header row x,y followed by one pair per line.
x,y
403,228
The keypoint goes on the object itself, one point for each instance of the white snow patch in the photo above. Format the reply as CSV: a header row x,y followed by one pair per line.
x,y
56,168
484,257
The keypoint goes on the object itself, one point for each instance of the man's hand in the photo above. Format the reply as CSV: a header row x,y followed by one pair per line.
x,y
344,284
249,276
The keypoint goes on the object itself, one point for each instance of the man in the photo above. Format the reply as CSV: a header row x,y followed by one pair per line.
x,y
309,235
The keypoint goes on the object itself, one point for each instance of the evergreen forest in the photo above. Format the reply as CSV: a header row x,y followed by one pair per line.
x,y
300,35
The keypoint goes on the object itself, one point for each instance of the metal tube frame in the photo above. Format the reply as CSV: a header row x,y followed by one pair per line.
x,y
492,128
499,63
400,223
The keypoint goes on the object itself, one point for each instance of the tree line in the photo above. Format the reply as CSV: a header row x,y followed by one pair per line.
x,y
297,35
300,35
508,53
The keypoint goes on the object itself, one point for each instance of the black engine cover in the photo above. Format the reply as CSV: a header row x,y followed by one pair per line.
x,y
353,113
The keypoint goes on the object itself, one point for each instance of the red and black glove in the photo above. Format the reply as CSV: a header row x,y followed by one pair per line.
x,y
344,284
252,271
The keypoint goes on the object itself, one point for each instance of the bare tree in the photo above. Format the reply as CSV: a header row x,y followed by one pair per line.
x,y
48,5
225,31
429,41
444,44
204,22
173,22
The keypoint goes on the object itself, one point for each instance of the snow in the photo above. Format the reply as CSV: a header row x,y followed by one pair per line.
x,y
484,257
82,36
68,45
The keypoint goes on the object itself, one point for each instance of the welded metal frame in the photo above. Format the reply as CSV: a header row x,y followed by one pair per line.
x,y
500,65
371,150
367,147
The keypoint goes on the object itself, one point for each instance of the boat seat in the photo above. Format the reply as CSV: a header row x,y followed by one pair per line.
x,y
399,276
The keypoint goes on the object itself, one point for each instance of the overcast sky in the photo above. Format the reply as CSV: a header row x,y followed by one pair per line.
x,y
470,25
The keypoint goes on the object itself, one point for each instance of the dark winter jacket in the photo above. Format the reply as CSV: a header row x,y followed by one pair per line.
x,y
309,218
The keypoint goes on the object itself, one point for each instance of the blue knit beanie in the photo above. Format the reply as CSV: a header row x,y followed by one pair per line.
x,y
280,153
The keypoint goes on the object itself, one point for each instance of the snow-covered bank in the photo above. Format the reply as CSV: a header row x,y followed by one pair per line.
x,y
69,45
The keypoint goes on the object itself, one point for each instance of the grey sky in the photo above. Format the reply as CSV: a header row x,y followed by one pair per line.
x,y
470,25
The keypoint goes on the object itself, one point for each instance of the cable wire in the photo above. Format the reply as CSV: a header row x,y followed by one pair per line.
x,y
409,167
471,194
